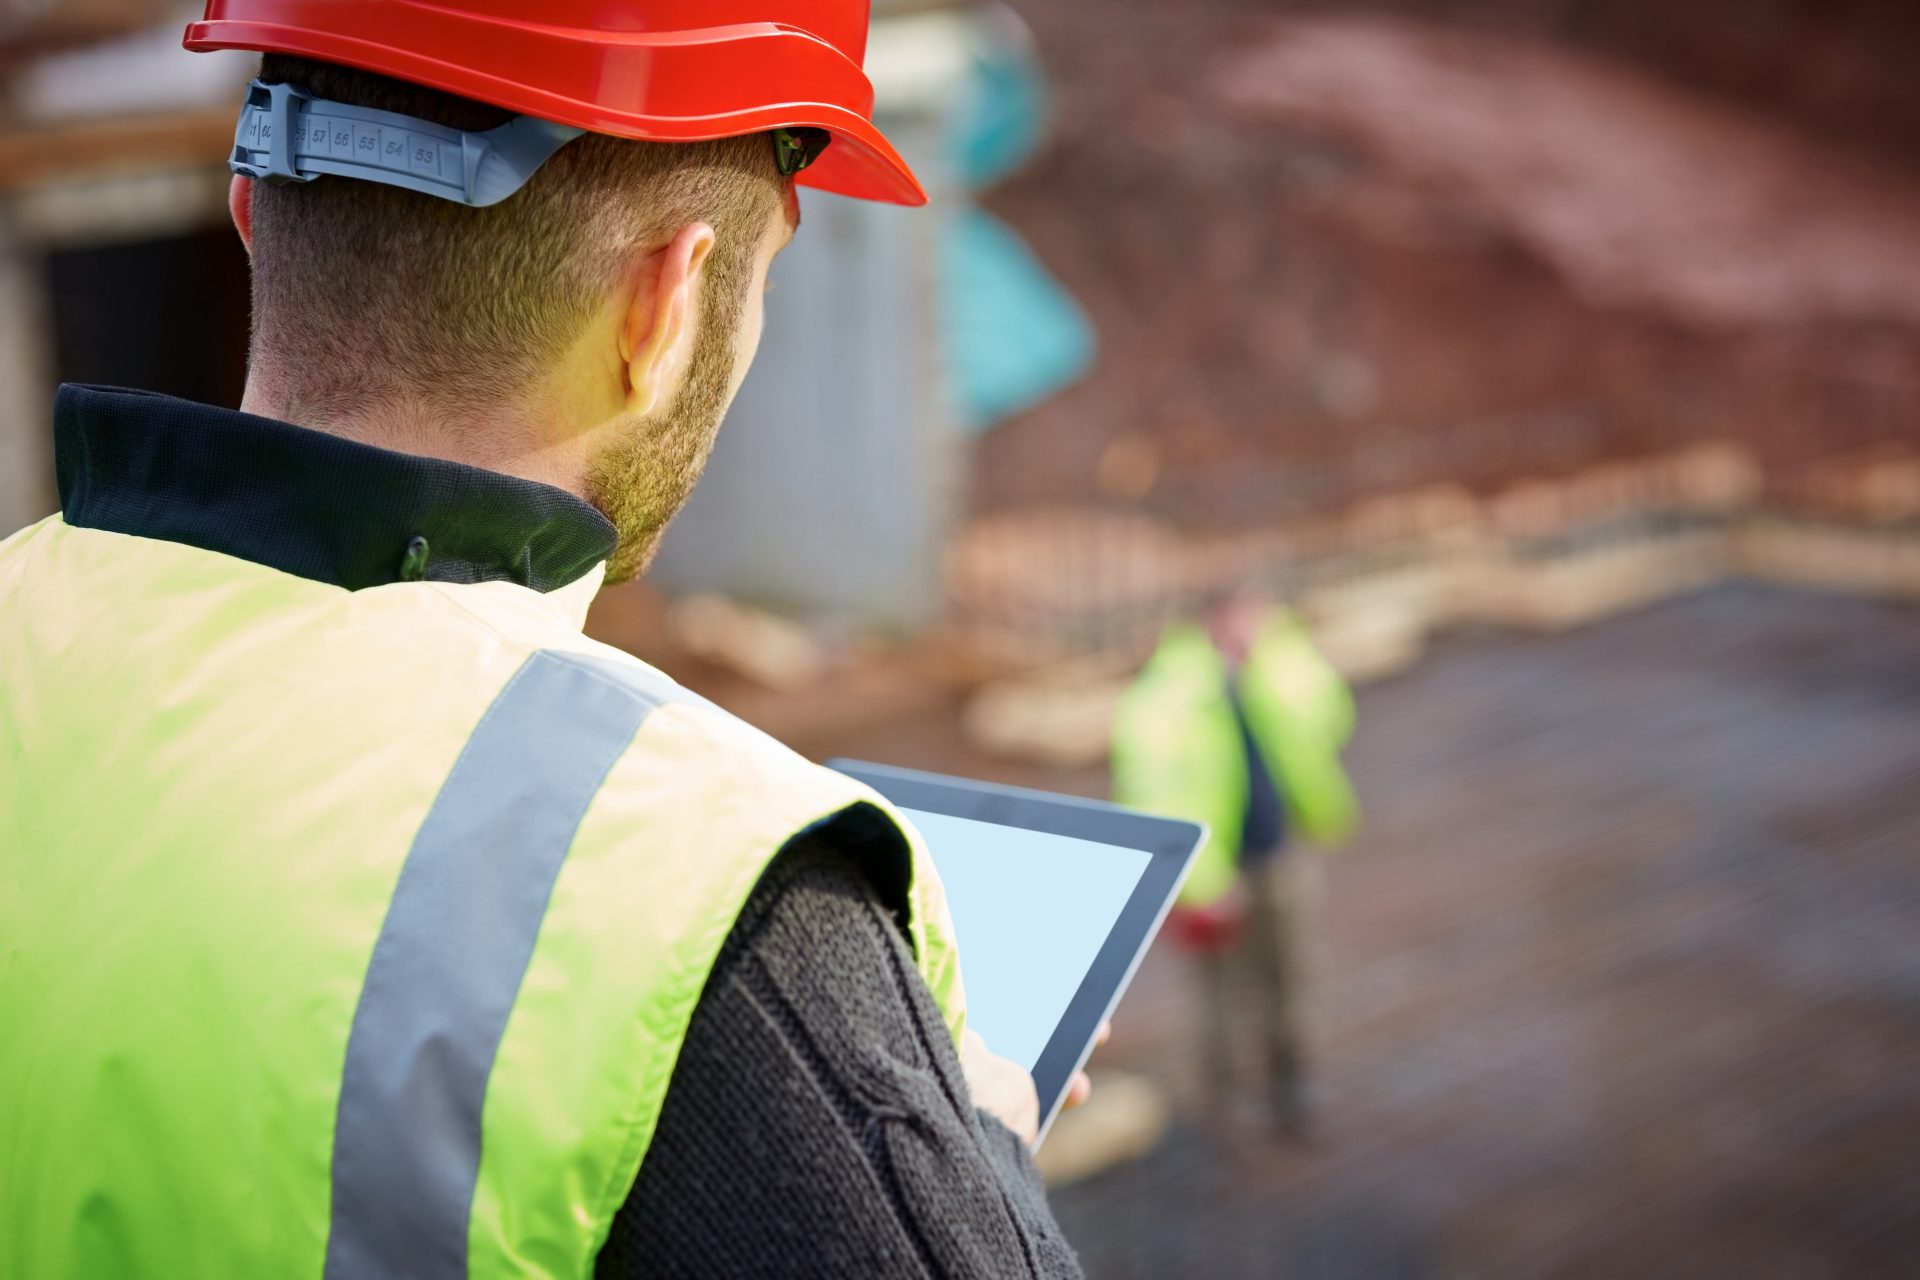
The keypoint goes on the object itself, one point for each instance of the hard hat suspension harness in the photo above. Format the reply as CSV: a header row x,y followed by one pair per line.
x,y
287,135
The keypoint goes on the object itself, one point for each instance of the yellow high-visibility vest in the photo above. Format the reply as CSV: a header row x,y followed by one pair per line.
x,y
1178,749
355,933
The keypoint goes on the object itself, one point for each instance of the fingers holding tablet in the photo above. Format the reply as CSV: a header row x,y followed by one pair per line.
x,y
1000,1086
1080,1088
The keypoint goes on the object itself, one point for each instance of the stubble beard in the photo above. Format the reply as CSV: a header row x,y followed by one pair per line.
x,y
641,483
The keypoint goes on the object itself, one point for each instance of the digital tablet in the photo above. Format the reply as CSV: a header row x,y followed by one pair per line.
x,y
1054,901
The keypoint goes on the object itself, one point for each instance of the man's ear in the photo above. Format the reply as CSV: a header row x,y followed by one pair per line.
x,y
659,328
240,205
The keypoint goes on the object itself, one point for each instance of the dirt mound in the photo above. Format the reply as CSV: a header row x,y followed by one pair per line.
x,y
1328,258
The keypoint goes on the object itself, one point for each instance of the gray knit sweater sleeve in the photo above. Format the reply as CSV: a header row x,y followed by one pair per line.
x,y
818,1123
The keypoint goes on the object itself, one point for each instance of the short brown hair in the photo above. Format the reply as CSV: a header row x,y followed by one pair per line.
x,y
363,292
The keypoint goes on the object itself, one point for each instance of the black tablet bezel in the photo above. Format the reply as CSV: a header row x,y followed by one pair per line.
x,y
1170,843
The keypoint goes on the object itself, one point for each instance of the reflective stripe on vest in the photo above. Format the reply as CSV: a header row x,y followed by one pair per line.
x,y
406,1144
353,933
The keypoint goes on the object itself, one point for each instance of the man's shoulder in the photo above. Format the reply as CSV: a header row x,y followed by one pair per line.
x,y
688,753
700,723
546,650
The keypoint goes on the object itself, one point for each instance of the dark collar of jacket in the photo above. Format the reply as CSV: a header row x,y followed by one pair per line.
x,y
307,503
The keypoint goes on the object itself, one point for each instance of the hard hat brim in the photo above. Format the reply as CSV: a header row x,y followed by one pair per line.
x,y
644,86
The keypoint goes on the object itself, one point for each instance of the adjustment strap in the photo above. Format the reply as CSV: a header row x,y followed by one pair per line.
x,y
286,135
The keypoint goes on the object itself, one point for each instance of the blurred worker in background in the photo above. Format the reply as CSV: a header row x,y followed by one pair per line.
x,y
364,918
1239,723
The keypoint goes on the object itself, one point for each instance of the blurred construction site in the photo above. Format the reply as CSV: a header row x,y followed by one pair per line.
x,y
1557,360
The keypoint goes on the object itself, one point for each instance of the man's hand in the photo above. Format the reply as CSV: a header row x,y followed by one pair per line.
x,y
1002,1088
1080,1088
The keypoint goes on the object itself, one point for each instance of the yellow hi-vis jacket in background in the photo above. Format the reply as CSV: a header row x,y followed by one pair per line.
x,y
348,932
1178,749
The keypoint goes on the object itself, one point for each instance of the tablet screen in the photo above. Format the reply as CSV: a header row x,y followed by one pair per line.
x,y
1031,911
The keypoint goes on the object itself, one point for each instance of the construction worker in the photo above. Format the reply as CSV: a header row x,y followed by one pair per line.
x,y
359,917
1239,723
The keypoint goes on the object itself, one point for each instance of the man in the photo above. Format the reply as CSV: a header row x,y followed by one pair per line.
x,y
1240,726
363,918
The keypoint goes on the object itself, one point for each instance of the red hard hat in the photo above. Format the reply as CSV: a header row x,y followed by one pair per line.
x,y
661,70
